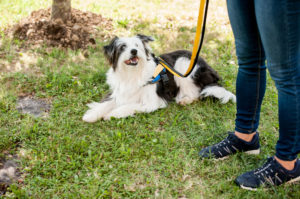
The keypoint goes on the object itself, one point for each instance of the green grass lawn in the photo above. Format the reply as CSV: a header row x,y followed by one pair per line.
x,y
146,156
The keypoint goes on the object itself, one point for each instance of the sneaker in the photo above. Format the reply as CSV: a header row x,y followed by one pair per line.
x,y
231,145
271,173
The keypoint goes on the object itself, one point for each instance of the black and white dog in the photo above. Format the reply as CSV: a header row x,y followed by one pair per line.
x,y
133,65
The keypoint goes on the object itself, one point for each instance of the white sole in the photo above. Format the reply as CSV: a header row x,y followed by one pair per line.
x,y
248,188
253,152
219,159
288,182
293,180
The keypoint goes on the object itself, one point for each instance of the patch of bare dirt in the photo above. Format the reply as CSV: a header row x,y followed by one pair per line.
x,y
32,106
23,61
8,174
78,32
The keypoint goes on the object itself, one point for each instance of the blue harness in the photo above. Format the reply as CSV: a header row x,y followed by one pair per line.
x,y
162,75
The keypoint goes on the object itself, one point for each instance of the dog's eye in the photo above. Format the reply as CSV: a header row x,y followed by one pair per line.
x,y
123,47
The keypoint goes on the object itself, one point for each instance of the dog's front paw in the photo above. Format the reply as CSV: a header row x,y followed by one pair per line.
x,y
119,113
185,100
110,116
90,116
107,117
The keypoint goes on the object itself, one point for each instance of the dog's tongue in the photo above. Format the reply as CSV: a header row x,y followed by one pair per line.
x,y
127,62
132,60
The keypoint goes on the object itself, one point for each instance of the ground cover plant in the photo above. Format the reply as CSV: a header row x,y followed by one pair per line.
x,y
146,156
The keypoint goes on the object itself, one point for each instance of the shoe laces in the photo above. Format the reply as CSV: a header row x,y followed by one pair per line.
x,y
268,172
226,145
225,141
222,143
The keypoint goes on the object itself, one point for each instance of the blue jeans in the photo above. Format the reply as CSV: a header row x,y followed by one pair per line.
x,y
268,30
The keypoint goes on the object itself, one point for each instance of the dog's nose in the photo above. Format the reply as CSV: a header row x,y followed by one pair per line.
x,y
134,51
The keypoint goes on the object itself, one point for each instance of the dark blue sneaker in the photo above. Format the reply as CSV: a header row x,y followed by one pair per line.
x,y
270,174
231,145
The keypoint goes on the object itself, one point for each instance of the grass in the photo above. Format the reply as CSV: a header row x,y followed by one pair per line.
x,y
146,156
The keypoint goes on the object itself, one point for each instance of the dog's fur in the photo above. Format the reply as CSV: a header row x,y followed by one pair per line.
x,y
133,65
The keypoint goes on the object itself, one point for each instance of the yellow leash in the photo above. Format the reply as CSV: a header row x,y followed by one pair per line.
x,y
197,45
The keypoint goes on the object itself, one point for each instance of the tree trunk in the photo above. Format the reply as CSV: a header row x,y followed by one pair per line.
x,y
61,9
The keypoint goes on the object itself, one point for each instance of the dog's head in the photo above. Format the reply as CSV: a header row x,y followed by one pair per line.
x,y
128,51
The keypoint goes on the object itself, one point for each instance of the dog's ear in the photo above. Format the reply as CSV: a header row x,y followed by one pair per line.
x,y
109,50
145,38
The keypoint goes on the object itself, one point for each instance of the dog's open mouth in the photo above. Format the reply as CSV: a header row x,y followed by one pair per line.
x,y
132,61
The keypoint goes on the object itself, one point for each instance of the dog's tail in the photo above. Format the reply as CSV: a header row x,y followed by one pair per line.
x,y
218,92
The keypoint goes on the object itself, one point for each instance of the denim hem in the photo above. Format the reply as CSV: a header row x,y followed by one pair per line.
x,y
245,131
286,158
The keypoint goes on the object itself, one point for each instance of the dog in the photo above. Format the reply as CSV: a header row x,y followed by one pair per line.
x,y
132,66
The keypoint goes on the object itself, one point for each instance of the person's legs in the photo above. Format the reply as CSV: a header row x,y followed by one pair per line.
x,y
250,84
251,78
279,27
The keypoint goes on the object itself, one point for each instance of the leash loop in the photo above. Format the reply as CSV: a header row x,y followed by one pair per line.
x,y
198,41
